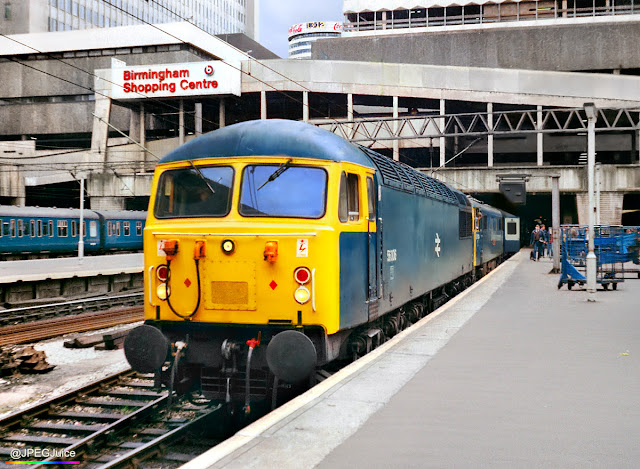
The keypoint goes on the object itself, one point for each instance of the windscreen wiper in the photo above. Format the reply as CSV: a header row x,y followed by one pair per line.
x,y
206,181
281,169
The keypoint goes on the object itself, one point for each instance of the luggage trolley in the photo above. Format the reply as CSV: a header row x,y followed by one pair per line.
x,y
609,248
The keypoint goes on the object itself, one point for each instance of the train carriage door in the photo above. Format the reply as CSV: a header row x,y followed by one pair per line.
x,y
477,239
373,246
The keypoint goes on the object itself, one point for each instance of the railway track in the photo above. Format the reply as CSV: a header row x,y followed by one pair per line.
x,y
47,328
120,421
65,308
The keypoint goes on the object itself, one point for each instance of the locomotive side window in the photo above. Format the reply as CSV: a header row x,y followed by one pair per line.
x,y
348,205
283,191
203,191
371,198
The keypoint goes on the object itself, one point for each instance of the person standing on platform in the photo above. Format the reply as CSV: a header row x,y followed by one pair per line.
x,y
535,243
544,240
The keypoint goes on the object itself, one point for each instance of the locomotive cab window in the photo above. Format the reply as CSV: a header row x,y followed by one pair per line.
x,y
348,204
283,190
202,191
371,198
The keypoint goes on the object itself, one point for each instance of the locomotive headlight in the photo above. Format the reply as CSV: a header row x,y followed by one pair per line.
x,y
228,246
162,291
302,295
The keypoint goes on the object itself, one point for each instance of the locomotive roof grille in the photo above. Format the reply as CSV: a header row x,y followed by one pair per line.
x,y
404,177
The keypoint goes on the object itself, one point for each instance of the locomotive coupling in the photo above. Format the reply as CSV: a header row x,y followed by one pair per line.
x,y
170,248
270,251
199,249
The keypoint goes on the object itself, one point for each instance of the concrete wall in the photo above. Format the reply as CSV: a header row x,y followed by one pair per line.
x,y
573,179
568,47
75,77
26,16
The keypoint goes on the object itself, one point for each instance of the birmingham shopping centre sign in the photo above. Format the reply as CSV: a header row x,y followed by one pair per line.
x,y
174,80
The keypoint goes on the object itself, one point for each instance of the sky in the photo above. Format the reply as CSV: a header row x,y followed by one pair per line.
x,y
276,16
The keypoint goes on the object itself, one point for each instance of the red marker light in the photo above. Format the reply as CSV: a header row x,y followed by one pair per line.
x,y
302,275
162,272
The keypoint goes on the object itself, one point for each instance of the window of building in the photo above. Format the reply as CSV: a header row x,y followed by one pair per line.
x,y
7,11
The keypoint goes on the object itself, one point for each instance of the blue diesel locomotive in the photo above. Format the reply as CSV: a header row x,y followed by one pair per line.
x,y
35,231
273,246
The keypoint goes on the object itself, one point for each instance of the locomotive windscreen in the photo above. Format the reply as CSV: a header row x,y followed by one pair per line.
x,y
283,191
203,191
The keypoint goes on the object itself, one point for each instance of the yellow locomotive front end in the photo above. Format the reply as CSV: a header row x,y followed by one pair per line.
x,y
241,273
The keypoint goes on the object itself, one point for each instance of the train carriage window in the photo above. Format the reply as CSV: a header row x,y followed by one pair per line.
x,y
20,228
348,204
117,228
33,228
283,190
51,232
202,191
13,228
63,228
93,229
371,198
138,228
74,228
109,229
5,229
511,228
126,227
1,228
39,228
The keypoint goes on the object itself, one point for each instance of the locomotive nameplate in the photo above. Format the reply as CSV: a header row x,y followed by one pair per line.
x,y
230,285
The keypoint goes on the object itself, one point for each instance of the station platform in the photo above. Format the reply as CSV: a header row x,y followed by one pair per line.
x,y
67,267
512,373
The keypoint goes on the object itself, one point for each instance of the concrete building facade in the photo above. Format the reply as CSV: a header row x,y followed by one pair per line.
x,y
214,17
66,119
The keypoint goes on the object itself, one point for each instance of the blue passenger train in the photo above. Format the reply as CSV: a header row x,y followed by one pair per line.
x,y
274,246
35,231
